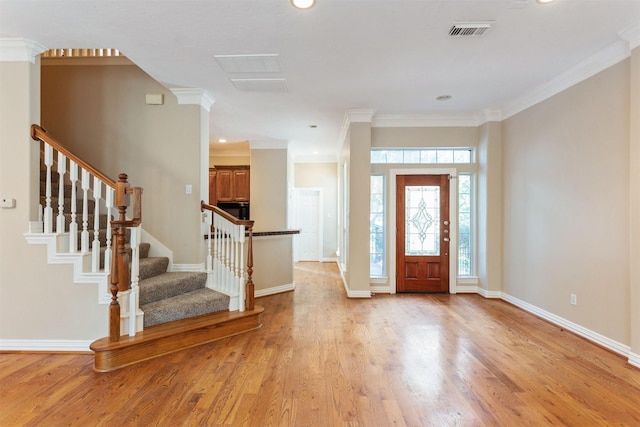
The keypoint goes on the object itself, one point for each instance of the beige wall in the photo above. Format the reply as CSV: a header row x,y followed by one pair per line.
x,y
229,161
273,263
324,176
269,189
37,301
424,137
358,158
229,154
99,113
566,204
490,206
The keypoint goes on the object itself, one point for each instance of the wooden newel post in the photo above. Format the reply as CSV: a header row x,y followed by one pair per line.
x,y
249,304
119,279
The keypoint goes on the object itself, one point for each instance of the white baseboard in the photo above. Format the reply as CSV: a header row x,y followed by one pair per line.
x,y
634,359
330,259
275,290
350,293
595,337
188,267
380,289
467,289
489,294
358,294
50,346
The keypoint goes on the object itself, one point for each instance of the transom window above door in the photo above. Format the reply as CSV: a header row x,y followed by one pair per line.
x,y
423,156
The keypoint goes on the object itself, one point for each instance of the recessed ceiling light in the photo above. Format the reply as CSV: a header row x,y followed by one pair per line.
x,y
313,126
222,140
303,4
545,1
315,152
443,97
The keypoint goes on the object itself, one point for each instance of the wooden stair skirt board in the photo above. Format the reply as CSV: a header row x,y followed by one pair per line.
x,y
171,337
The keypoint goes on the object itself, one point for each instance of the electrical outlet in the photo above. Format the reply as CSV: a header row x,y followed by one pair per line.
x,y
574,299
188,189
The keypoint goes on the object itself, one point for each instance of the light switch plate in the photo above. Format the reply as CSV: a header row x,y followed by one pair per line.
x,y
7,203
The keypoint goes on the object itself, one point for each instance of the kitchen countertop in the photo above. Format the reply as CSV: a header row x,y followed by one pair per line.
x,y
275,233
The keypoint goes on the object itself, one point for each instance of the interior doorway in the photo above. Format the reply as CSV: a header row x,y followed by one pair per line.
x,y
308,219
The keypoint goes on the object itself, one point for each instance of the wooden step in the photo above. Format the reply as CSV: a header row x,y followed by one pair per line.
x,y
171,337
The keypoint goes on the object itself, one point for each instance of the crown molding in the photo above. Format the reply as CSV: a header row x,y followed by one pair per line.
x,y
426,120
360,116
631,35
194,96
19,50
489,115
589,67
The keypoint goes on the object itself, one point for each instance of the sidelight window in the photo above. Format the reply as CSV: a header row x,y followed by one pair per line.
x,y
465,225
377,225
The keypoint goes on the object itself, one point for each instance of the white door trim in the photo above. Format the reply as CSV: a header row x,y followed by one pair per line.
x,y
453,219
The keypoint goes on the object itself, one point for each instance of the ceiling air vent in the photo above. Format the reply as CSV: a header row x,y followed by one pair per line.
x,y
469,29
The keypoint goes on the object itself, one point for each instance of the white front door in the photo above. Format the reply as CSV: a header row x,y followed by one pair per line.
x,y
309,222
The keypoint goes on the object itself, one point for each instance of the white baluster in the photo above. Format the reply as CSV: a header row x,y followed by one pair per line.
x,y
217,269
84,236
232,255
107,253
236,240
227,257
73,225
134,242
48,211
95,247
208,221
242,278
62,168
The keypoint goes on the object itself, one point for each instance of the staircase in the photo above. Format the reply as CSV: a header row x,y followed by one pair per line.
x,y
178,309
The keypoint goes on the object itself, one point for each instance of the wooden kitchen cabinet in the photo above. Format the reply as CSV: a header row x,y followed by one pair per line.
x,y
229,184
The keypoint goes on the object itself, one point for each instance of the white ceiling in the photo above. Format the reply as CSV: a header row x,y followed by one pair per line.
x,y
390,56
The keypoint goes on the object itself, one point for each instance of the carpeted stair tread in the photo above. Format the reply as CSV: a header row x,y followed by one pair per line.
x,y
152,266
170,284
190,304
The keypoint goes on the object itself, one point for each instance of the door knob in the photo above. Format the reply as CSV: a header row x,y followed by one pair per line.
x,y
446,239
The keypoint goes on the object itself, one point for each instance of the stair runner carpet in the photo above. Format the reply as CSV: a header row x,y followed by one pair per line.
x,y
164,296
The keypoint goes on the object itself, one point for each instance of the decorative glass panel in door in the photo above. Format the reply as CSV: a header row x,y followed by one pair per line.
x,y
422,217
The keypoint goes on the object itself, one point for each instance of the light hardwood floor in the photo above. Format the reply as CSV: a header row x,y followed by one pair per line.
x,y
322,359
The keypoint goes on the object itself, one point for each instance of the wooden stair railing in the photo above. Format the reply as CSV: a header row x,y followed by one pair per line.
x,y
117,195
119,278
225,253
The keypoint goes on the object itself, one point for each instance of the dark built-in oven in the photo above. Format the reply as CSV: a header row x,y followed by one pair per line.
x,y
238,209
